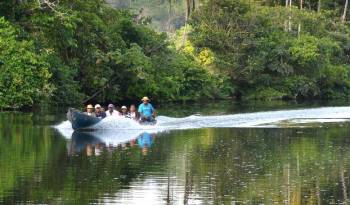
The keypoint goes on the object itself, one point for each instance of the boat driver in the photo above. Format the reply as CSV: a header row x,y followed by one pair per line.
x,y
146,110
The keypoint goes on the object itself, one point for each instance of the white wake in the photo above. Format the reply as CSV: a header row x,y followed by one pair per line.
x,y
112,128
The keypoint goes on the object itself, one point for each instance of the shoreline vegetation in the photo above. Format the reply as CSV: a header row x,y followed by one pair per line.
x,y
74,52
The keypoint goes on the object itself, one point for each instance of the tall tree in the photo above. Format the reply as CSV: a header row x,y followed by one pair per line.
x,y
319,6
169,15
345,11
286,22
188,13
188,8
299,25
290,16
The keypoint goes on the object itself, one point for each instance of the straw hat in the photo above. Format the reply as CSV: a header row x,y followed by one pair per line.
x,y
90,106
145,98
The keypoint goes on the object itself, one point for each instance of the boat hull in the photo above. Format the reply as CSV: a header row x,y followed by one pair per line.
x,y
80,120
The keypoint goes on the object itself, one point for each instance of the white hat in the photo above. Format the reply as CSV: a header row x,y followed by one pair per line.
x,y
124,107
97,106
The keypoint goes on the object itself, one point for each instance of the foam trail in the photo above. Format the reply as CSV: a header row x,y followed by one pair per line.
x,y
65,129
256,119
130,129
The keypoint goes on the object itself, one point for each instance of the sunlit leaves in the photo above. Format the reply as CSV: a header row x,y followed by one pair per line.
x,y
305,50
273,50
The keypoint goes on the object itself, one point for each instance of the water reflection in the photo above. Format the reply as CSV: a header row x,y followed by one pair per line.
x,y
81,141
144,141
257,166
203,166
93,143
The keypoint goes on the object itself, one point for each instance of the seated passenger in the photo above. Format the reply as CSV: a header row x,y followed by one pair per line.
x,y
111,111
98,111
133,114
90,111
146,110
124,112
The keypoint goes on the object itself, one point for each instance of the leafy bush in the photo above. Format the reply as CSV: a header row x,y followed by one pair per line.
x,y
24,75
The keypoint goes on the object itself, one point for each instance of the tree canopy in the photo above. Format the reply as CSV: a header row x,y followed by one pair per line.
x,y
276,51
92,51
70,52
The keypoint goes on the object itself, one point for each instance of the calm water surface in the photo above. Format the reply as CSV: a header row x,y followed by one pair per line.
x,y
201,166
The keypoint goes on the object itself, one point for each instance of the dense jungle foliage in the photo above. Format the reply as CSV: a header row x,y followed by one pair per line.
x,y
67,52
80,49
274,51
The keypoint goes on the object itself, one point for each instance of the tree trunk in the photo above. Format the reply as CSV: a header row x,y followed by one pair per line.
x,y
188,12
290,16
345,11
169,17
188,9
299,25
319,6
286,22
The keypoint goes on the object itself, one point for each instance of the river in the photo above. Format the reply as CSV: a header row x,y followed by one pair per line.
x,y
222,153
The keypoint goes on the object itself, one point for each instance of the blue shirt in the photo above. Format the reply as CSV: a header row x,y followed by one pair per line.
x,y
146,110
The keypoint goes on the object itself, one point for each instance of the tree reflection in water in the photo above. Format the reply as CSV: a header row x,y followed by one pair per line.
x,y
205,166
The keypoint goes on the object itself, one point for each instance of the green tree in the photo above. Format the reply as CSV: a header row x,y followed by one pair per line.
x,y
267,54
24,75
